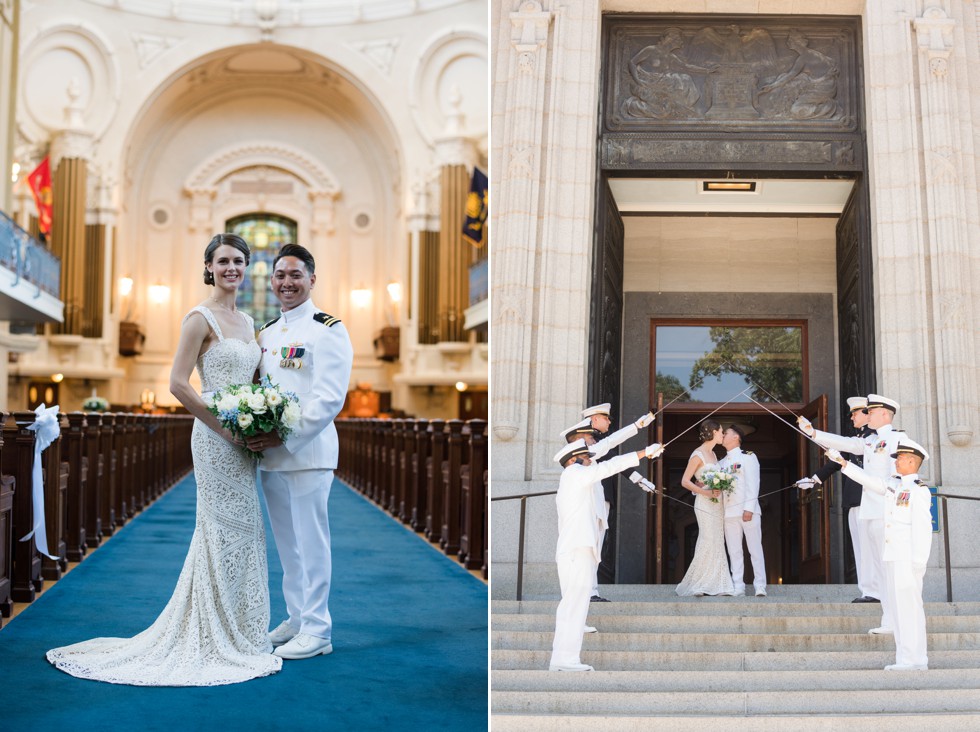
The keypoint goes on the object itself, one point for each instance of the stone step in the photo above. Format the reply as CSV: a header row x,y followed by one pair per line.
x,y
729,624
870,660
648,593
745,642
732,606
732,723
739,703
746,681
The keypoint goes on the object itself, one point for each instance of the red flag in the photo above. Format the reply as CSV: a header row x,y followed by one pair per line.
x,y
40,183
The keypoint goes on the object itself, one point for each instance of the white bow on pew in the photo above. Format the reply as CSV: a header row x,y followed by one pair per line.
x,y
47,429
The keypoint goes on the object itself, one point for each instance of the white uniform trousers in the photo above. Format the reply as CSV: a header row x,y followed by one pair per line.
x,y
735,529
872,546
297,501
602,541
903,585
575,572
864,587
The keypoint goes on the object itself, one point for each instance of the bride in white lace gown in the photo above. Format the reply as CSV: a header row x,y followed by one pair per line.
x,y
708,573
214,629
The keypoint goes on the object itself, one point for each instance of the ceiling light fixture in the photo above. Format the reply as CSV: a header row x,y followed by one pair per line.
x,y
728,186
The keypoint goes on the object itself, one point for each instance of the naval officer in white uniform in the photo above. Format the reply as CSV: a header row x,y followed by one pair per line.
x,y
743,514
308,352
877,449
907,542
579,537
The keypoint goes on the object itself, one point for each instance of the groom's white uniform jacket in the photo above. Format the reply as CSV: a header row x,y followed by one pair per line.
x,y
307,352
745,497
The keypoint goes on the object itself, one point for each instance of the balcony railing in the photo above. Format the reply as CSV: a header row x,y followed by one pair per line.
x,y
28,259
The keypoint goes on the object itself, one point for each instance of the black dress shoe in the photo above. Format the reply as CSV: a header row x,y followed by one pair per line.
x,y
596,598
866,599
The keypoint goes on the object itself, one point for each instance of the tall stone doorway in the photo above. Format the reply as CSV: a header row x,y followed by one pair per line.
x,y
764,107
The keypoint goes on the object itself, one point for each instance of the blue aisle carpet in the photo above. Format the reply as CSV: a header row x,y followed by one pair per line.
x,y
409,637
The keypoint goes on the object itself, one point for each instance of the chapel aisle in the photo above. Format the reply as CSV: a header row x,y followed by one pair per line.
x,y
799,659
410,636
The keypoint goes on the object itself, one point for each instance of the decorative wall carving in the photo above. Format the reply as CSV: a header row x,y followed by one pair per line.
x,y
291,159
676,89
150,47
381,52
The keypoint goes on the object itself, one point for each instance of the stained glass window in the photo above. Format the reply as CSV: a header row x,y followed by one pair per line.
x,y
265,234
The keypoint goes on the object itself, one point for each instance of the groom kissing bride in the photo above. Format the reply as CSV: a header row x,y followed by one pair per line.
x,y
723,521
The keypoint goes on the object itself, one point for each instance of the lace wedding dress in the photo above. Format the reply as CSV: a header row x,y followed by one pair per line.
x,y
708,573
214,629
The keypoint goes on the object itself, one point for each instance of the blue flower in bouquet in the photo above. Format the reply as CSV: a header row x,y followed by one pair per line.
x,y
251,409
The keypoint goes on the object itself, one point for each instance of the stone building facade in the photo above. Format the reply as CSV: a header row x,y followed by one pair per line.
x,y
609,120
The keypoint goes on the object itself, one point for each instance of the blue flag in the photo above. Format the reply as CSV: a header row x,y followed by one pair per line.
x,y
476,208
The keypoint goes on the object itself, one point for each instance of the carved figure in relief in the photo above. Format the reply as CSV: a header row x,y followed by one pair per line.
x,y
742,59
662,85
808,90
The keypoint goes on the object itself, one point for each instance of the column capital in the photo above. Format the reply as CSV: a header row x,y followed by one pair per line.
x,y
73,143
530,26
934,33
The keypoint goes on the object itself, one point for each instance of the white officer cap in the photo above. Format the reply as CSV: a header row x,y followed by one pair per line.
x,y
597,409
572,449
856,404
907,446
877,400
579,428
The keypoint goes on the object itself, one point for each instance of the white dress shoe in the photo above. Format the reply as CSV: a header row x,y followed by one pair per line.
x,y
571,667
590,629
282,633
881,631
760,592
304,645
906,667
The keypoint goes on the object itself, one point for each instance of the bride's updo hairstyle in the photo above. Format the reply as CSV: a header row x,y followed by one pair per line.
x,y
707,429
232,240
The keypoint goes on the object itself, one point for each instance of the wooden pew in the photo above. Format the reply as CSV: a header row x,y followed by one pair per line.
x,y
418,477
473,496
113,509
434,487
449,540
7,488
96,489
383,489
18,460
55,509
394,464
73,452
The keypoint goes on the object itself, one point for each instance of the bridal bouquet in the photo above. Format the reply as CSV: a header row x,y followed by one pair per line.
x,y
250,409
718,480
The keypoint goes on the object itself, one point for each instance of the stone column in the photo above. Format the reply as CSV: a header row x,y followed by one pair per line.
x,y
953,309
71,149
456,156
900,274
519,107
323,227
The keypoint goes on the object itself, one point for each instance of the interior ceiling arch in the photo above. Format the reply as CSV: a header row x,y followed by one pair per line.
x,y
266,71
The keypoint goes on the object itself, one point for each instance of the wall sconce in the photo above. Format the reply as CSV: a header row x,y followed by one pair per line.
x,y
159,293
361,296
14,172
462,386
57,378
125,286
395,292
148,400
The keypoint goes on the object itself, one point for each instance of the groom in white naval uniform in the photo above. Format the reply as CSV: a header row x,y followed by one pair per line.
x,y
308,352
743,514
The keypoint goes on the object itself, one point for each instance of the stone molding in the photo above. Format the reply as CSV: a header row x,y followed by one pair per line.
x,y
292,159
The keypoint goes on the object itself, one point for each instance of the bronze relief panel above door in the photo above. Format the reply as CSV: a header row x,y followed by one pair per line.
x,y
676,88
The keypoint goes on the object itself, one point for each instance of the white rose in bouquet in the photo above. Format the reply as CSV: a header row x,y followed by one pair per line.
x,y
244,420
273,398
256,402
227,403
